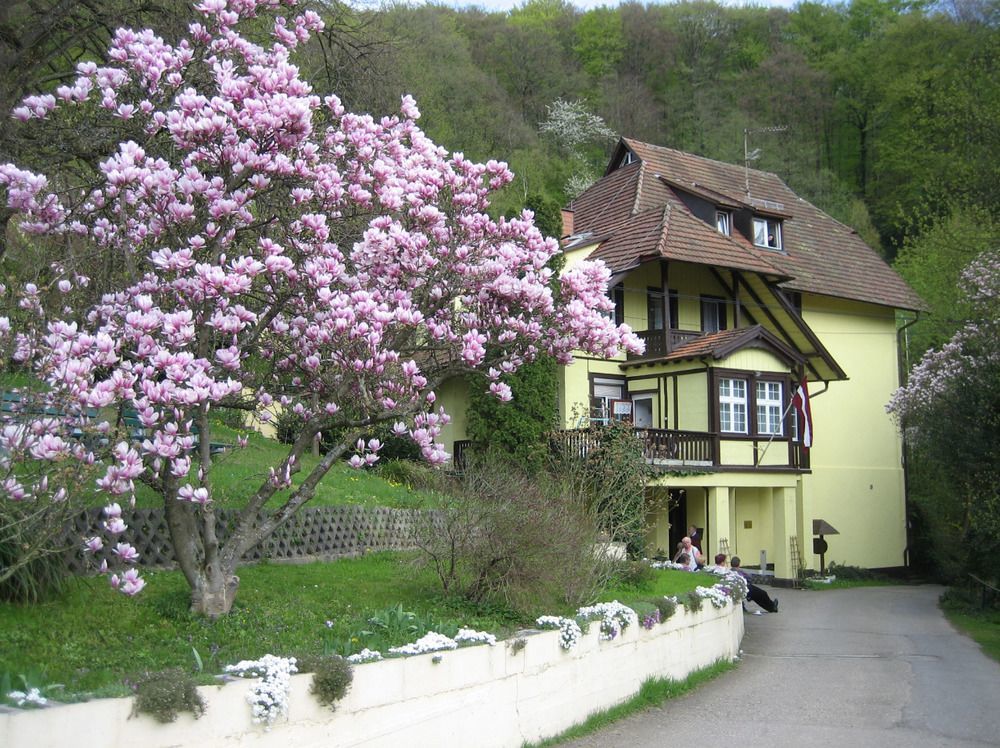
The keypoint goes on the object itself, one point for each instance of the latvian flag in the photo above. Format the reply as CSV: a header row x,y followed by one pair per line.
x,y
801,402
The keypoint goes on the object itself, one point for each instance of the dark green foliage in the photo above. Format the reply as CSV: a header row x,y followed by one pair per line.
x,y
615,474
517,428
634,573
693,601
164,694
332,676
30,570
666,605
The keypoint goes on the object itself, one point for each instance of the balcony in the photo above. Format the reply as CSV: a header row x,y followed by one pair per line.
x,y
660,342
694,449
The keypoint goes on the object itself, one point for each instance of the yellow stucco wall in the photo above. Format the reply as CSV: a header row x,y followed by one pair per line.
x,y
453,396
857,477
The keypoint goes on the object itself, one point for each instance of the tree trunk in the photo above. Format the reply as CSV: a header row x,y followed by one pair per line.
x,y
214,592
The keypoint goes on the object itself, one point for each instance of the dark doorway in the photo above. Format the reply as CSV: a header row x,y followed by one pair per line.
x,y
677,516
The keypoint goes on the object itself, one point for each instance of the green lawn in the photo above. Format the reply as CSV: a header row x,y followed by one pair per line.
x,y
237,473
983,629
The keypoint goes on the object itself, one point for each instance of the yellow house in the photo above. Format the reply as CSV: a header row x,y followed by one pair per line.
x,y
742,290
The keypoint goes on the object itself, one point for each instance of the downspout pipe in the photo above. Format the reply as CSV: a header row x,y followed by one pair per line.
x,y
902,357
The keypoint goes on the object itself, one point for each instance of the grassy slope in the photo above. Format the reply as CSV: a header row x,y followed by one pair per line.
x,y
93,640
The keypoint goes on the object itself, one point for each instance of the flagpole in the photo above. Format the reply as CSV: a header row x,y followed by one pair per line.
x,y
773,434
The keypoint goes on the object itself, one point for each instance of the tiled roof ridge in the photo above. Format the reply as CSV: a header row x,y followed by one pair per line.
x,y
638,188
688,154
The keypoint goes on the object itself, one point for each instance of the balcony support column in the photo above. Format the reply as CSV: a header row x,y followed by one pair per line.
x,y
785,524
719,520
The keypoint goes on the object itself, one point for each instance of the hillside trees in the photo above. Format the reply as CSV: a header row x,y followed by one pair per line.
x,y
276,250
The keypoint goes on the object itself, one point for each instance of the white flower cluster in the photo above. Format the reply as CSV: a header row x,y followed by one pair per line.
x,y
716,595
429,642
365,655
473,636
269,698
667,565
736,582
33,696
614,616
569,630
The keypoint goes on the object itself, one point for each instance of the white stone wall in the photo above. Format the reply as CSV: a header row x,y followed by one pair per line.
x,y
474,696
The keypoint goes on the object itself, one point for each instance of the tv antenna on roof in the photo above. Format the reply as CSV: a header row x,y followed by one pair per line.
x,y
753,155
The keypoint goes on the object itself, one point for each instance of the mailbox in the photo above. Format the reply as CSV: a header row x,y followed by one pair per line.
x,y
821,527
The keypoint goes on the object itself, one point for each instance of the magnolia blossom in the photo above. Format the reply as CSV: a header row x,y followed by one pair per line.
x,y
285,251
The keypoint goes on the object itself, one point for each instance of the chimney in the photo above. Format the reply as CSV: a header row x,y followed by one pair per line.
x,y
567,223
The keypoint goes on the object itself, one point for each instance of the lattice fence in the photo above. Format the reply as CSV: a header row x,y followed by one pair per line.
x,y
321,532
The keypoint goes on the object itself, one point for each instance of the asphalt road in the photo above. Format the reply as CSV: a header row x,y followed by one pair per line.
x,y
872,666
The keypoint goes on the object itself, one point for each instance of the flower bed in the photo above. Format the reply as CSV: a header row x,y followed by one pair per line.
x,y
525,689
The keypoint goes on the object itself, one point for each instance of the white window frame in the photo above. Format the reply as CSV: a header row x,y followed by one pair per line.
x,y
769,403
723,222
733,405
606,391
764,227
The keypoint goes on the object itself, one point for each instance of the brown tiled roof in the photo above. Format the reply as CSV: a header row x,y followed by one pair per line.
x,y
671,232
608,203
821,255
726,342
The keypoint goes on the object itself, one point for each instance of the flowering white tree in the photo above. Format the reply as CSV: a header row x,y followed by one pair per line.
x,y
272,248
950,411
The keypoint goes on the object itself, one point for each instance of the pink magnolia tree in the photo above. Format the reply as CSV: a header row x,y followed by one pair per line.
x,y
272,250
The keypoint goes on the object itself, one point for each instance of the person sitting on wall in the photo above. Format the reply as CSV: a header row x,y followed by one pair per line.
x,y
694,558
684,560
719,566
755,593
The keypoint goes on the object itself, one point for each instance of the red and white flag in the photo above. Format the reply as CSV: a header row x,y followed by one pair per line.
x,y
801,402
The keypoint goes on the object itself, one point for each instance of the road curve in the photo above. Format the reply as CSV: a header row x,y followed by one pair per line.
x,y
871,666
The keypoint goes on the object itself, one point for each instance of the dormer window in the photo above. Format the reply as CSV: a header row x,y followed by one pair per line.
x,y
722,222
767,233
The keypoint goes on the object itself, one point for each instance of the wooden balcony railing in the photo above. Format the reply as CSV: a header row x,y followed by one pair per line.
x,y
661,342
691,448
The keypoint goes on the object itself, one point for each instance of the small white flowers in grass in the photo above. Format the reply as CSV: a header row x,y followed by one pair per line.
x,y
365,655
667,565
716,595
614,616
569,630
475,637
268,699
429,642
32,696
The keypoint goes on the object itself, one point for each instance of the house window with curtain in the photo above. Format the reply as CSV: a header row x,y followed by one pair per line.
x,y
654,309
769,408
618,297
713,314
767,233
732,405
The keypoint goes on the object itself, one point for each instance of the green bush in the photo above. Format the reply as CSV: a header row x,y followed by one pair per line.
x,y
666,605
332,676
29,573
165,693
693,601
634,573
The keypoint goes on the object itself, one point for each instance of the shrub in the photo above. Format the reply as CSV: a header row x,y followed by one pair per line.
x,y
667,606
634,573
506,537
165,693
845,572
692,601
332,676
30,571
